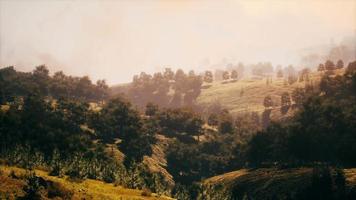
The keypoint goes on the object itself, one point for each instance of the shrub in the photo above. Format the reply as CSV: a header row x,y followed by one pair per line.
x,y
13,174
33,187
57,190
146,192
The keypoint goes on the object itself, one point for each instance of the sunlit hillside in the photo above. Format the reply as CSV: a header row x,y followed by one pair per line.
x,y
13,181
247,95
273,183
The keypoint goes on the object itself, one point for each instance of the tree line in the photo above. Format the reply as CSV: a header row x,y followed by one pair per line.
x,y
157,88
20,84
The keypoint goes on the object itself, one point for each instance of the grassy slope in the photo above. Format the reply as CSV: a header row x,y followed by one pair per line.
x,y
88,189
157,162
228,94
264,182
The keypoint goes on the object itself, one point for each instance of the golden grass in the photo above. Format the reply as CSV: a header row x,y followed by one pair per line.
x,y
228,94
350,175
4,107
227,177
269,174
87,189
157,162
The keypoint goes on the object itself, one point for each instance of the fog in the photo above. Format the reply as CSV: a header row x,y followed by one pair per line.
x,y
114,40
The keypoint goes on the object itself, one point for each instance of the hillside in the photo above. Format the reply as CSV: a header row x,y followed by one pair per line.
x,y
273,183
13,180
247,94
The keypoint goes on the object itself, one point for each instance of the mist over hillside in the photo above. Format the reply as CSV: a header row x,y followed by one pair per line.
x,y
184,100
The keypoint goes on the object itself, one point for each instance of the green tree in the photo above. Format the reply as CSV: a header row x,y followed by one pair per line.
x,y
226,124
267,102
321,67
280,73
234,74
329,65
151,109
339,64
208,77
226,75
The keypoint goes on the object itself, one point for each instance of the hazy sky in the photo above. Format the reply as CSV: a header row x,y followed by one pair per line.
x,y
115,39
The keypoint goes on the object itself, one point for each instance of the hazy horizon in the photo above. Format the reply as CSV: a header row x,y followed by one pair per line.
x,y
114,40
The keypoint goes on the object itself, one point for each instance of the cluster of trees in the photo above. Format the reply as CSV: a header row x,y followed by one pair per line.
x,y
146,88
19,84
233,71
233,74
329,65
261,69
322,131
201,151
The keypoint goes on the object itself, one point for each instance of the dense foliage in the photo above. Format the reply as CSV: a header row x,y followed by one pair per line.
x,y
70,126
14,84
156,88
69,135
322,131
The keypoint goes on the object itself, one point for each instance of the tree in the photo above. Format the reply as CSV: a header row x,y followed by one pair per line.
x,y
226,124
118,120
292,79
213,119
41,77
168,74
208,77
304,74
298,96
102,90
339,64
267,102
285,99
280,73
321,67
180,122
351,68
180,81
290,71
151,109
226,75
329,65
234,74
285,102
259,149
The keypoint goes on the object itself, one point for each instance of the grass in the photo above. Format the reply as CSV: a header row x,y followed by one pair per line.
x,y
87,189
264,182
254,91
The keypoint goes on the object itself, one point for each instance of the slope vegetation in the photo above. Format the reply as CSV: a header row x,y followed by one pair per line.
x,y
273,183
247,95
13,180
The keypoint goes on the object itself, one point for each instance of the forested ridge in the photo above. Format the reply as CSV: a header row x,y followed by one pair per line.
x,y
70,127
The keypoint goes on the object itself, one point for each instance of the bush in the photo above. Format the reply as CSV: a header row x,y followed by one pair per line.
x,y
13,174
34,186
146,192
57,190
